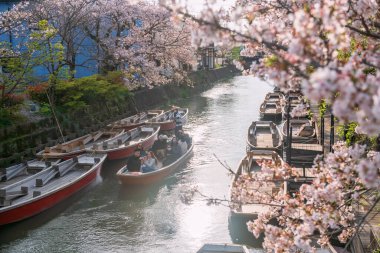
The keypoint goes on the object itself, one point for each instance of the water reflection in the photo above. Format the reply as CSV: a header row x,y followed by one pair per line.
x,y
110,218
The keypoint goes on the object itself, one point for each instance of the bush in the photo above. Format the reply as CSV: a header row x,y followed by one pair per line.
x,y
92,91
9,115
38,92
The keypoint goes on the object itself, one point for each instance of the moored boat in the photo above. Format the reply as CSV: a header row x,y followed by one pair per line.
x,y
270,110
249,165
135,120
138,178
78,146
300,114
23,170
264,135
223,248
47,188
167,120
274,97
302,130
124,145
294,98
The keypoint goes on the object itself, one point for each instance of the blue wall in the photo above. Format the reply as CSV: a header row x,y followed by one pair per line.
x,y
83,57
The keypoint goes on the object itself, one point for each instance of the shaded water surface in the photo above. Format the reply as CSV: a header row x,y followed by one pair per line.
x,y
107,218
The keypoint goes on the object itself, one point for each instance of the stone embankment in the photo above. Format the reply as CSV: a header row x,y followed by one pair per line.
x,y
21,142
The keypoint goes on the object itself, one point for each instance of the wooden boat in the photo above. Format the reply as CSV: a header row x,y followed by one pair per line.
x,y
249,165
304,114
135,120
23,170
223,248
294,98
302,130
274,97
167,119
124,145
264,135
78,146
138,178
270,110
45,189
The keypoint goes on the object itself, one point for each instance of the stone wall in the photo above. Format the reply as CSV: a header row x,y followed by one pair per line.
x,y
21,142
201,81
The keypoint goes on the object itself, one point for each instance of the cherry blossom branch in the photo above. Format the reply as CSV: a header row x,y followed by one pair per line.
x,y
362,221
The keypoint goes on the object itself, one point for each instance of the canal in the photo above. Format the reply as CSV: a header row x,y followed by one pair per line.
x,y
107,218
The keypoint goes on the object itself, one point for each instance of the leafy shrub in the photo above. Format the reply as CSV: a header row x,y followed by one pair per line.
x,y
9,115
94,91
38,92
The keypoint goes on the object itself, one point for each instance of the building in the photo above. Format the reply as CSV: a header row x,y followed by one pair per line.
x,y
206,57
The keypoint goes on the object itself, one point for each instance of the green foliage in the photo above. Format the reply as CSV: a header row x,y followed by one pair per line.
x,y
354,138
9,115
309,114
322,108
270,60
235,53
218,66
16,71
94,91
42,49
370,70
351,136
45,109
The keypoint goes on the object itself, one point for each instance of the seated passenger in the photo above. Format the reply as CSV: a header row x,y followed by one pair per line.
x,y
134,162
183,145
174,151
160,146
184,137
140,147
149,163
178,123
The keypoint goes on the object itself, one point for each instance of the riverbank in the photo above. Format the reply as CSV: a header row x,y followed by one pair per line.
x,y
21,142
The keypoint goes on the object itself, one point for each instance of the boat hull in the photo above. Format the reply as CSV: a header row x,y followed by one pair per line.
x,y
167,126
125,152
64,156
44,202
170,124
152,177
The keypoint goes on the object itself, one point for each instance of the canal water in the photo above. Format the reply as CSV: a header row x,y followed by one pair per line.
x,y
107,218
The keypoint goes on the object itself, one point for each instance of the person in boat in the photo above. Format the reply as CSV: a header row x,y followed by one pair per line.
x,y
184,137
183,145
178,123
143,153
175,113
134,162
174,151
149,163
160,146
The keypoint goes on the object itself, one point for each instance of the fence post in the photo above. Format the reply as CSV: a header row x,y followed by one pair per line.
x,y
288,117
289,155
331,132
